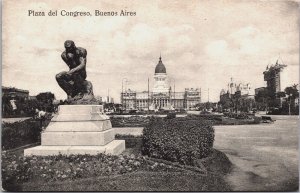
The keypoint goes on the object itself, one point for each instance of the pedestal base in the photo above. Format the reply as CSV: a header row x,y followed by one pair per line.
x,y
78,129
115,147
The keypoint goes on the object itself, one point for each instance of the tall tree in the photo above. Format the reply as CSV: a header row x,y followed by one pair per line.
x,y
293,93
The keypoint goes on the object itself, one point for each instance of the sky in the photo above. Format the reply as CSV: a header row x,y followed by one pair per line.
x,y
203,43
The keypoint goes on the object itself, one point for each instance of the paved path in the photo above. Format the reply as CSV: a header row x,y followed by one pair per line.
x,y
265,156
135,131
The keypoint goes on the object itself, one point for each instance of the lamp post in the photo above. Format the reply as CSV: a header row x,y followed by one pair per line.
x,y
122,94
148,100
173,80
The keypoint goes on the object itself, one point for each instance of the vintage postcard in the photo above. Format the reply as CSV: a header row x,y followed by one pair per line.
x,y
163,95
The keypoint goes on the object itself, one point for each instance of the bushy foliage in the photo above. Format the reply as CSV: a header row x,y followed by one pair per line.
x,y
238,115
26,108
133,121
21,133
131,141
178,140
171,115
211,117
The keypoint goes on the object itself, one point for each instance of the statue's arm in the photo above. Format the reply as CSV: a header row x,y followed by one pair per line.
x,y
64,57
82,60
80,66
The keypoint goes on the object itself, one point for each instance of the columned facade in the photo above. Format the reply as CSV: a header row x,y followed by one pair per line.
x,y
161,96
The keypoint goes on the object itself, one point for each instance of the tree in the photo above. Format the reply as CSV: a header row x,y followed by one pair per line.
x,y
45,97
200,106
292,93
45,100
265,99
246,104
227,102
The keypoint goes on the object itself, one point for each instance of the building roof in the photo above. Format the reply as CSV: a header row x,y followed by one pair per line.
x,y
160,67
13,89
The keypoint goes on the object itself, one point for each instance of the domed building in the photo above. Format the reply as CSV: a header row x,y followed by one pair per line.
x,y
160,67
160,78
162,96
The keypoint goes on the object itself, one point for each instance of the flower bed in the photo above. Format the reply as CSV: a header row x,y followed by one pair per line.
x,y
19,169
238,115
178,140
228,119
214,119
139,121
232,121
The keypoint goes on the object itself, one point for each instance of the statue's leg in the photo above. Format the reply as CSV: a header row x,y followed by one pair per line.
x,y
63,81
78,83
89,88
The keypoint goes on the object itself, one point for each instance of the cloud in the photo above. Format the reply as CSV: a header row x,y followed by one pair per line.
x,y
202,43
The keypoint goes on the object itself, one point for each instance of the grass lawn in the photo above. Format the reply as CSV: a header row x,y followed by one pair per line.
x,y
138,181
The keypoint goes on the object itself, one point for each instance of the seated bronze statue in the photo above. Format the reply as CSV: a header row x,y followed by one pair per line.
x,y
73,82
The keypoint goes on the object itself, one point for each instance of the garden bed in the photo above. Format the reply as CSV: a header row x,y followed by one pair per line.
x,y
120,173
137,181
130,171
132,121
143,121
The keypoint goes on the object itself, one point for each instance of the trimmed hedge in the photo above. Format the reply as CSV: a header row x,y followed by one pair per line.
x,y
171,115
131,141
238,115
224,120
133,121
21,133
178,140
214,119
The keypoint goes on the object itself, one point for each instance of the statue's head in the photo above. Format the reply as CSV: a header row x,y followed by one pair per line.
x,y
70,46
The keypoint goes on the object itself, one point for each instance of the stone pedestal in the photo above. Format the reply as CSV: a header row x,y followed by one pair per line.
x,y
78,129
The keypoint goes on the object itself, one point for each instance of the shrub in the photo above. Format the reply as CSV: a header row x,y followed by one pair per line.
x,y
21,133
211,117
171,115
131,141
178,140
133,121
237,115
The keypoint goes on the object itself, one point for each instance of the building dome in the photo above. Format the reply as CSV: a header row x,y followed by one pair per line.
x,y
160,67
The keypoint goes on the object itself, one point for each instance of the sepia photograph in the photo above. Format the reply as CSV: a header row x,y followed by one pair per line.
x,y
138,95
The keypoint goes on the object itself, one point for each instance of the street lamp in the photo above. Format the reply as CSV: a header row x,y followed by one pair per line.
x,y
122,95
172,80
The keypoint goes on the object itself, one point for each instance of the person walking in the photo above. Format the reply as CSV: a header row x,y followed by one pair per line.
x,y
41,115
